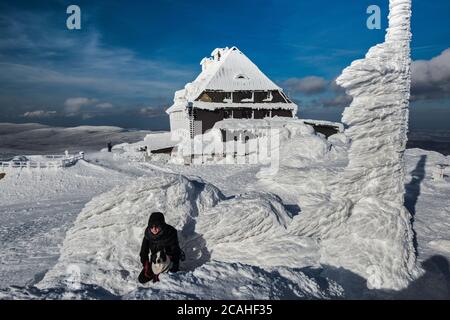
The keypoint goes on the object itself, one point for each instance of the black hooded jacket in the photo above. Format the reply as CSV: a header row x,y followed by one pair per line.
x,y
166,239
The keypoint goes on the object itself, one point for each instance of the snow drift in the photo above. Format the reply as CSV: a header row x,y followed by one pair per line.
x,y
105,241
216,272
308,168
222,238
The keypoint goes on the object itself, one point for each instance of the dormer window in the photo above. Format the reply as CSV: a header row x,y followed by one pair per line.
x,y
241,76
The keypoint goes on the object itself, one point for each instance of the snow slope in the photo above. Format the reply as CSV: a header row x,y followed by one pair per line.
x,y
37,207
240,244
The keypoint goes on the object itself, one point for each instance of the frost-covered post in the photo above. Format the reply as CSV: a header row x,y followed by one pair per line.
x,y
364,227
378,233
377,119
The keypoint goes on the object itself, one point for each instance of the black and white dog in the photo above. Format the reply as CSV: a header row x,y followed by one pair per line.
x,y
161,262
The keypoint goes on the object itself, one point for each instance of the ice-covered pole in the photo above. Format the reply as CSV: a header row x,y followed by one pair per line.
x,y
377,236
377,119
363,226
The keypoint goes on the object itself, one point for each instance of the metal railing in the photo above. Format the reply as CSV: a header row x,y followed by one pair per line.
x,y
62,162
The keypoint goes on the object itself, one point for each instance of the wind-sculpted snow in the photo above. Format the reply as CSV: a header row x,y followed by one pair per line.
x,y
102,248
220,280
308,168
252,229
364,225
214,280
230,259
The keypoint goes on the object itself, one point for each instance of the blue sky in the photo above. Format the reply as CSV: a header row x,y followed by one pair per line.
x,y
124,65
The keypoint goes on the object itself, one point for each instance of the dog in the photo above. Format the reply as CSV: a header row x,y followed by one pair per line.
x,y
161,262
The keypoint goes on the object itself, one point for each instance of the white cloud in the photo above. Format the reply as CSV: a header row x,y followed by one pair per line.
x,y
307,85
337,101
52,65
39,114
74,105
150,111
430,79
104,105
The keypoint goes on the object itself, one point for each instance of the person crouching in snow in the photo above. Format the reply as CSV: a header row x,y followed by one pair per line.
x,y
161,240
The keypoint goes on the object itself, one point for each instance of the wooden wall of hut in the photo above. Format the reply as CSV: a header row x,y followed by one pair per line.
x,y
210,117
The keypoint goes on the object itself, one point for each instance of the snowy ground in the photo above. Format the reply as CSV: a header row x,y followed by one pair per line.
x,y
39,207
242,231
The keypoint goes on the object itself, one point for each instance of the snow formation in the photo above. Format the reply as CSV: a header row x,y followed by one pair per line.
x,y
364,226
233,242
266,273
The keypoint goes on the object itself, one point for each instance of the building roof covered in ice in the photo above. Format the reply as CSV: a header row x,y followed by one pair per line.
x,y
230,71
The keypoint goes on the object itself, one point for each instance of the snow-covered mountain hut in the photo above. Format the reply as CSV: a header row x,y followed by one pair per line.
x,y
230,86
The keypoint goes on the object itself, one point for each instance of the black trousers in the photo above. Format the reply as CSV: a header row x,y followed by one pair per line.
x,y
143,278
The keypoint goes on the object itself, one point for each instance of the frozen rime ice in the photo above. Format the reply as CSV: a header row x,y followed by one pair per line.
x,y
364,226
